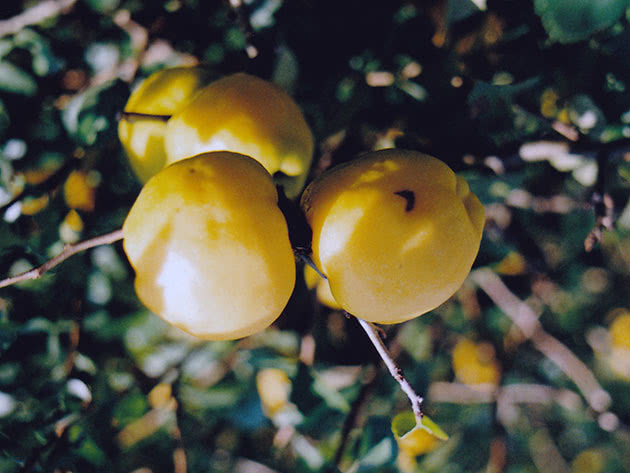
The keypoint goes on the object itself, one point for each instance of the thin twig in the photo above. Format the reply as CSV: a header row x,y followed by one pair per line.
x,y
34,16
394,369
458,393
53,443
309,261
67,252
355,409
135,116
524,317
603,206
242,21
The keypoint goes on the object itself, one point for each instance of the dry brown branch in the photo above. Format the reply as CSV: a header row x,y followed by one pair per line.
x,y
67,252
524,317
34,15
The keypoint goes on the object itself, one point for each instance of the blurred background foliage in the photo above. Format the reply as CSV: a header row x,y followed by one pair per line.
x,y
527,367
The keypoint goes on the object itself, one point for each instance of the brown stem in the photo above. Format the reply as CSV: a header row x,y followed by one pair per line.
x,y
67,252
394,369
135,116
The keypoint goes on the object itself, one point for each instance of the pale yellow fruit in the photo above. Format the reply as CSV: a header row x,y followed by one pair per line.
x,y
475,363
247,115
210,246
396,233
620,330
162,93
274,389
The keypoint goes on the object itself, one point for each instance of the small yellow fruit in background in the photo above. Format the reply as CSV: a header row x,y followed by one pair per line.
x,y
247,115
321,286
79,192
162,93
274,388
475,364
619,357
591,460
396,233
211,247
620,330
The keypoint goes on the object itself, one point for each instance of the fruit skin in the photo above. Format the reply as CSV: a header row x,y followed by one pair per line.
x,y
247,115
395,231
162,93
210,246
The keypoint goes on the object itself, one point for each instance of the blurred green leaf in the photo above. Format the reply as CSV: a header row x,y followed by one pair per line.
x,y
569,21
15,80
378,456
92,114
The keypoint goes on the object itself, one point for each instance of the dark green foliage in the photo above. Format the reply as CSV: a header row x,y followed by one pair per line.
x,y
90,381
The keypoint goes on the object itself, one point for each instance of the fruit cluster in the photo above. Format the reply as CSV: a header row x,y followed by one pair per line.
x,y
395,232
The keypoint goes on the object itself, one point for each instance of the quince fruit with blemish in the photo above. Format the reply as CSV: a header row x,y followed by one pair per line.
x,y
395,232
163,93
247,115
210,246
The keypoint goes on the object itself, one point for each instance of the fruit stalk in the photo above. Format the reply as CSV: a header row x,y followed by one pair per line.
x,y
394,369
134,116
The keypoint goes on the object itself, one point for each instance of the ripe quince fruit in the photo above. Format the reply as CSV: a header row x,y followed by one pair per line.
x,y
247,115
159,96
395,232
210,246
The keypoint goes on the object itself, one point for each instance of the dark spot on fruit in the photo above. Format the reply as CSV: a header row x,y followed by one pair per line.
x,y
410,197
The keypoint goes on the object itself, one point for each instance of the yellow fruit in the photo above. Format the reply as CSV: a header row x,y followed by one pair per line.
x,y
274,389
211,247
620,330
247,115
321,286
591,460
475,364
163,93
396,233
79,192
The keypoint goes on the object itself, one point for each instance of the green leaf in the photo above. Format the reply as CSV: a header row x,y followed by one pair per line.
x,y
91,114
15,80
378,456
459,10
405,422
333,398
103,6
4,118
5,47
569,21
